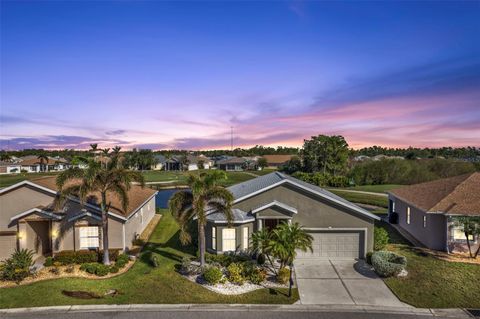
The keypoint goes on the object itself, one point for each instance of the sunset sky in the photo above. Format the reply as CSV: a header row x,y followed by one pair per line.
x,y
180,74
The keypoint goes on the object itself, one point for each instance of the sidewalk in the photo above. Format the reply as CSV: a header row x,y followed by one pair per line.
x,y
453,313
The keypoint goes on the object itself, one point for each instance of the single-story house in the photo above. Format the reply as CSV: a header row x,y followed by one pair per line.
x,y
32,164
10,168
232,164
340,229
159,162
276,161
428,211
186,162
28,219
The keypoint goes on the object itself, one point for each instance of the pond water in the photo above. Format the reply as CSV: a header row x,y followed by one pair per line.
x,y
163,195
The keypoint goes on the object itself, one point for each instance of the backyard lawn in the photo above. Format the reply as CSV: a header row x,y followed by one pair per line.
x,y
431,282
375,200
10,179
374,188
141,284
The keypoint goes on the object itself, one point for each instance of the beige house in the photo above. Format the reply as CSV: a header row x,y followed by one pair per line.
x,y
28,219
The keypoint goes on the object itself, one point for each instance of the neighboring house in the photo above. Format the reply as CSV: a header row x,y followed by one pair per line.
x,y
276,161
31,164
428,210
340,229
232,164
9,168
159,162
28,219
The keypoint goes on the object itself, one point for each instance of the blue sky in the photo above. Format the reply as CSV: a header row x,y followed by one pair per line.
x,y
180,74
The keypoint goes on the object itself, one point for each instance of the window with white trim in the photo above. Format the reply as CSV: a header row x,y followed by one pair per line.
x,y
229,239
425,221
459,234
88,237
245,237
214,238
408,215
393,206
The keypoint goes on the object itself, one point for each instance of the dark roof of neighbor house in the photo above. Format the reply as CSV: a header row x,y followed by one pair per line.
x,y
256,185
136,195
459,195
277,159
232,160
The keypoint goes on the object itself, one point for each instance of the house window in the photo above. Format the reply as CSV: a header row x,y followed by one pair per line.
x,y
459,234
408,215
214,238
393,206
228,239
245,237
425,221
88,237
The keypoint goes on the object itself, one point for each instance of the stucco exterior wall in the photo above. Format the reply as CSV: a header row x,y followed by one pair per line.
x,y
313,211
433,236
18,201
135,226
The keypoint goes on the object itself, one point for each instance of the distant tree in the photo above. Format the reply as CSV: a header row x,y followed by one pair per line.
x,y
201,164
293,165
43,161
4,156
93,147
116,150
262,162
326,154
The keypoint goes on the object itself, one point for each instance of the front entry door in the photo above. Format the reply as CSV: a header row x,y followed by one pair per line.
x,y
270,223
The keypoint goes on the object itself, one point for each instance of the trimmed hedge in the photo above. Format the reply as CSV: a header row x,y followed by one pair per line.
x,y
387,263
68,257
213,275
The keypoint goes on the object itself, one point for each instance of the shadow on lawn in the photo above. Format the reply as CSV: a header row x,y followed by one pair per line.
x,y
167,250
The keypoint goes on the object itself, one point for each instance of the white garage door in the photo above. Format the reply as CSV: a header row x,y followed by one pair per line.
x,y
8,243
333,245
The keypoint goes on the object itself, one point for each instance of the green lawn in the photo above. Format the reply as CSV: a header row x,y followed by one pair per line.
x,y
10,179
374,188
264,171
180,178
360,198
434,283
141,284
431,282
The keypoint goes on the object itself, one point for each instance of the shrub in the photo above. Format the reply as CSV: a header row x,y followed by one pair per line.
x,y
102,270
112,253
154,260
114,269
188,267
69,269
380,236
17,267
387,263
257,276
85,256
212,275
261,259
48,262
283,275
235,273
122,260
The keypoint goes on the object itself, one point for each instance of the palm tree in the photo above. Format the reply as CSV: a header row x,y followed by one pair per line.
x,y
105,151
116,150
471,228
43,159
109,180
5,157
93,147
286,239
205,195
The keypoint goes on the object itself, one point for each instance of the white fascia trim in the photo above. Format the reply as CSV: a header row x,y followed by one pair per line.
x,y
274,217
22,183
275,203
88,214
33,210
361,211
234,222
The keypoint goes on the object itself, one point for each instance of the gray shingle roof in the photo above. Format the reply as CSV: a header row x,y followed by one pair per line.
x,y
239,216
257,184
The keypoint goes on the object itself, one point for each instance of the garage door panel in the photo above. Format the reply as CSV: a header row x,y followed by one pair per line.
x,y
330,244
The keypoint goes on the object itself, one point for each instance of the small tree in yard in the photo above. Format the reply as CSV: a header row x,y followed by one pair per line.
x,y
204,195
262,162
471,228
285,240
260,244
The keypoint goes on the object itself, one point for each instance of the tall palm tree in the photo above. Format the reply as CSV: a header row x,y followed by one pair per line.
x,y
205,195
107,180
116,150
286,239
43,159
105,151
93,147
5,157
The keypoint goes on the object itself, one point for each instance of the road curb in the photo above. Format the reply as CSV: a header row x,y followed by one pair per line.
x,y
454,313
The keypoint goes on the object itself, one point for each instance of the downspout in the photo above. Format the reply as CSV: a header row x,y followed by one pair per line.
x,y
123,236
446,238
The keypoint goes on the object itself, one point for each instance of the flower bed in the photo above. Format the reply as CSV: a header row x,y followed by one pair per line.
x,y
231,275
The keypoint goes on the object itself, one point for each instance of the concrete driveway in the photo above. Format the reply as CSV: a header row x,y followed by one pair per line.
x,y
342,282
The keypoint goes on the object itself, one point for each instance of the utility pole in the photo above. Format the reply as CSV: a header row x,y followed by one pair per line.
x,y
231,138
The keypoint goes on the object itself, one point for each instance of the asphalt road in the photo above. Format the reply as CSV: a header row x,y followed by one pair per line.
x,y
232,314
